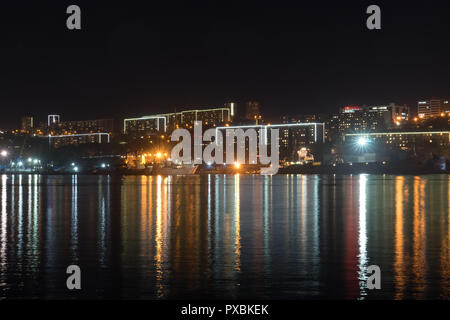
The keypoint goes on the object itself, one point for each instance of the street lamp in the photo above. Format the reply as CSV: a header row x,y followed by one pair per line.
x,y
362,142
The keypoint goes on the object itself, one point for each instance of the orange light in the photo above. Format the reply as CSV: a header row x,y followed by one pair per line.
x,y
159,155
237,165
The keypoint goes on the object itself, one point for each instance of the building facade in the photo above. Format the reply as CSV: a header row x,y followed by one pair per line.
x,y
294,138
252,110
27,124
432,108
83,126
210,117
423,143
364,119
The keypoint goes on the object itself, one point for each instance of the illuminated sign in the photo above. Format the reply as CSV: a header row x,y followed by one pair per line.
x,y
351,109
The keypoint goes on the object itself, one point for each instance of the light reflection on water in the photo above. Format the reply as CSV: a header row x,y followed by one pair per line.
x,y
224,236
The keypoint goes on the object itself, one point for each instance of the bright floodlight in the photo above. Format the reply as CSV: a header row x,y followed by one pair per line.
x,y
4,153
362,141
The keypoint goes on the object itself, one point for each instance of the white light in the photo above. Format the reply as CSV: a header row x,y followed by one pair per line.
x,y
362,141
75,169
29,159
73,164
103,165
4,153
20,163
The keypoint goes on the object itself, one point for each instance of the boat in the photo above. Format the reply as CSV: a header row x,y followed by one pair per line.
x,y
173,169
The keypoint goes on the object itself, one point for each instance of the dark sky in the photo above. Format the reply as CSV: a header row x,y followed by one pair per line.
x,y
137,57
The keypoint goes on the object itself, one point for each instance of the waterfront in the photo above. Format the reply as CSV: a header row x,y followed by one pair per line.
x,y
225,236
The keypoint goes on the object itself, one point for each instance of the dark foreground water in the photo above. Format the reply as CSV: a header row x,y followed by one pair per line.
x,y
281,237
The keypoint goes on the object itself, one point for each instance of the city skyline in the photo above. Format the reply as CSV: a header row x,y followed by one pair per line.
x,y
436,106
152,59
224,158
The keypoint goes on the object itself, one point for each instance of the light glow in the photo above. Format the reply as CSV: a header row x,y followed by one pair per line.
x,y
362,141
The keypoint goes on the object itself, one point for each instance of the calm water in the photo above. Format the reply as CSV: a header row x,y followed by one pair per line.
x,y
281,237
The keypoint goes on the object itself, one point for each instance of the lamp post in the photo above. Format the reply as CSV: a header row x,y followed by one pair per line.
x,y
3,154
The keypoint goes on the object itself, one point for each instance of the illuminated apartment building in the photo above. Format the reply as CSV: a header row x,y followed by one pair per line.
x,y
85,126
433,141
356,119
293,137
432,108
27,124
210,117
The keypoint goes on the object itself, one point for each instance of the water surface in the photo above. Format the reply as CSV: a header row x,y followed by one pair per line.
x,y
225,236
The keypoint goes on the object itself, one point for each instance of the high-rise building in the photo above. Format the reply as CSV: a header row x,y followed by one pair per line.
x,y
294,138
357,119
53,119
57,127
210,117
85,126
27,124
392,114
232,107
252,110
432,108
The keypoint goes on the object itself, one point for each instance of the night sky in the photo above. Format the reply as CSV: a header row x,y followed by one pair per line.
x,y
133,58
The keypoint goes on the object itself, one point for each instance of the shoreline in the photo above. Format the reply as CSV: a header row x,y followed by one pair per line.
x,y
339,172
